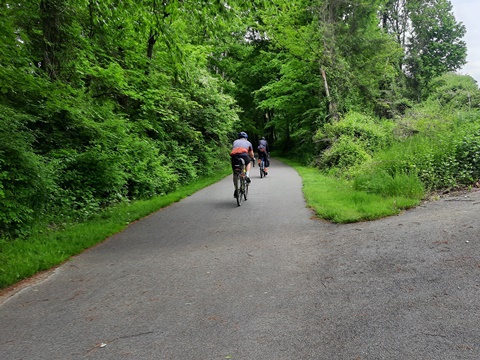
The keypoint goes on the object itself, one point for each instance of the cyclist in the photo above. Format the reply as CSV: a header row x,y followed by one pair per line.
x,y
263,152
242,148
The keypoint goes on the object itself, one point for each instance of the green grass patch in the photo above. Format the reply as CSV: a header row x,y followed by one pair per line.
x,y
380,182
337,200
20,259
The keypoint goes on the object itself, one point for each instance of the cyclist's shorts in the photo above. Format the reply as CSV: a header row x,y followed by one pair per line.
x,y
235,158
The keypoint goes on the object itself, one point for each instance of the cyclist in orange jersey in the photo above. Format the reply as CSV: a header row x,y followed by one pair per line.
x,y
242,148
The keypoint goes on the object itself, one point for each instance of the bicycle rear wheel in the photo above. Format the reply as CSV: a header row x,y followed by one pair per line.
x,y
262,169
238,188
245,192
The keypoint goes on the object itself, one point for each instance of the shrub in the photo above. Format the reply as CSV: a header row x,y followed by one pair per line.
x,y
344,153
467,153
351,142
445,157
374,135
24,178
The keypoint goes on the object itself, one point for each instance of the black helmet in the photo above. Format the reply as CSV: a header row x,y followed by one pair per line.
x,y
242,134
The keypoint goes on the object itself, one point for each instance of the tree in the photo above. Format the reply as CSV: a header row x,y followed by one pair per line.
x,y
454,92
430,36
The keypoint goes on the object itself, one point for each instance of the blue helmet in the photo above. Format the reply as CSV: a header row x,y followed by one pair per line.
x,y
242,134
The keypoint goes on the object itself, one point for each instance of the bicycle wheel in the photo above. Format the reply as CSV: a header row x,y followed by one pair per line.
x,y
262,169
238,188
245,192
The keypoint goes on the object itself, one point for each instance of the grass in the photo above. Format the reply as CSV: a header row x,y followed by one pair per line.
x,y
20,259
337,200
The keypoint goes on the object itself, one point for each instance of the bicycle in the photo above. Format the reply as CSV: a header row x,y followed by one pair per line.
x,y
263,163
262,168
240,182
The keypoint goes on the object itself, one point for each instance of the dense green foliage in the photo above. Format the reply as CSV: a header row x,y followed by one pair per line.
x,y
309,62
436,144
107,102
103,102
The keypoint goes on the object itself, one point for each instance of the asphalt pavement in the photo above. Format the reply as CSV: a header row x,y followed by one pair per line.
x,y
205,279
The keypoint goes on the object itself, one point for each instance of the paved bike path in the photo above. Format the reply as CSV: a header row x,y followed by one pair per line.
x,y
206,279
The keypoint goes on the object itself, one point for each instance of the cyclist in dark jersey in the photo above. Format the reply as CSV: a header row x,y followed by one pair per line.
x,y
263,151
243,148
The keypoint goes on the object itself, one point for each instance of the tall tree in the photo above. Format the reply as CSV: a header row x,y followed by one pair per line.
x,y
435,46
430,36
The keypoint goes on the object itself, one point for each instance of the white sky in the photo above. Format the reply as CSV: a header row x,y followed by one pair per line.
x,y
468,12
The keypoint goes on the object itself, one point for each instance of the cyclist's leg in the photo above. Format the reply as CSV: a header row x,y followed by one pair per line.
x,y
248,164
240,187
245,192
248,167
235,169
235,185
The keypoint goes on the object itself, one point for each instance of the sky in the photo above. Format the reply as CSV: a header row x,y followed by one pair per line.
x,y
467,12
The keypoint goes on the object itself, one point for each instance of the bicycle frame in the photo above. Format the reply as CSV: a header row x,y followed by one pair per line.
x,y
241,185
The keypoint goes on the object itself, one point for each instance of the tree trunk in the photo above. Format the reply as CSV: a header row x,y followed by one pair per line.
x,y
151,43
51,17
332,108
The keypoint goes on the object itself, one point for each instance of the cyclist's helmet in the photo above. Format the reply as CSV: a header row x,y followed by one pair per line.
x,y
242,134
263,137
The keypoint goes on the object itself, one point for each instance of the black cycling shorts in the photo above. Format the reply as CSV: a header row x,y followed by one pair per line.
x,y
245,158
